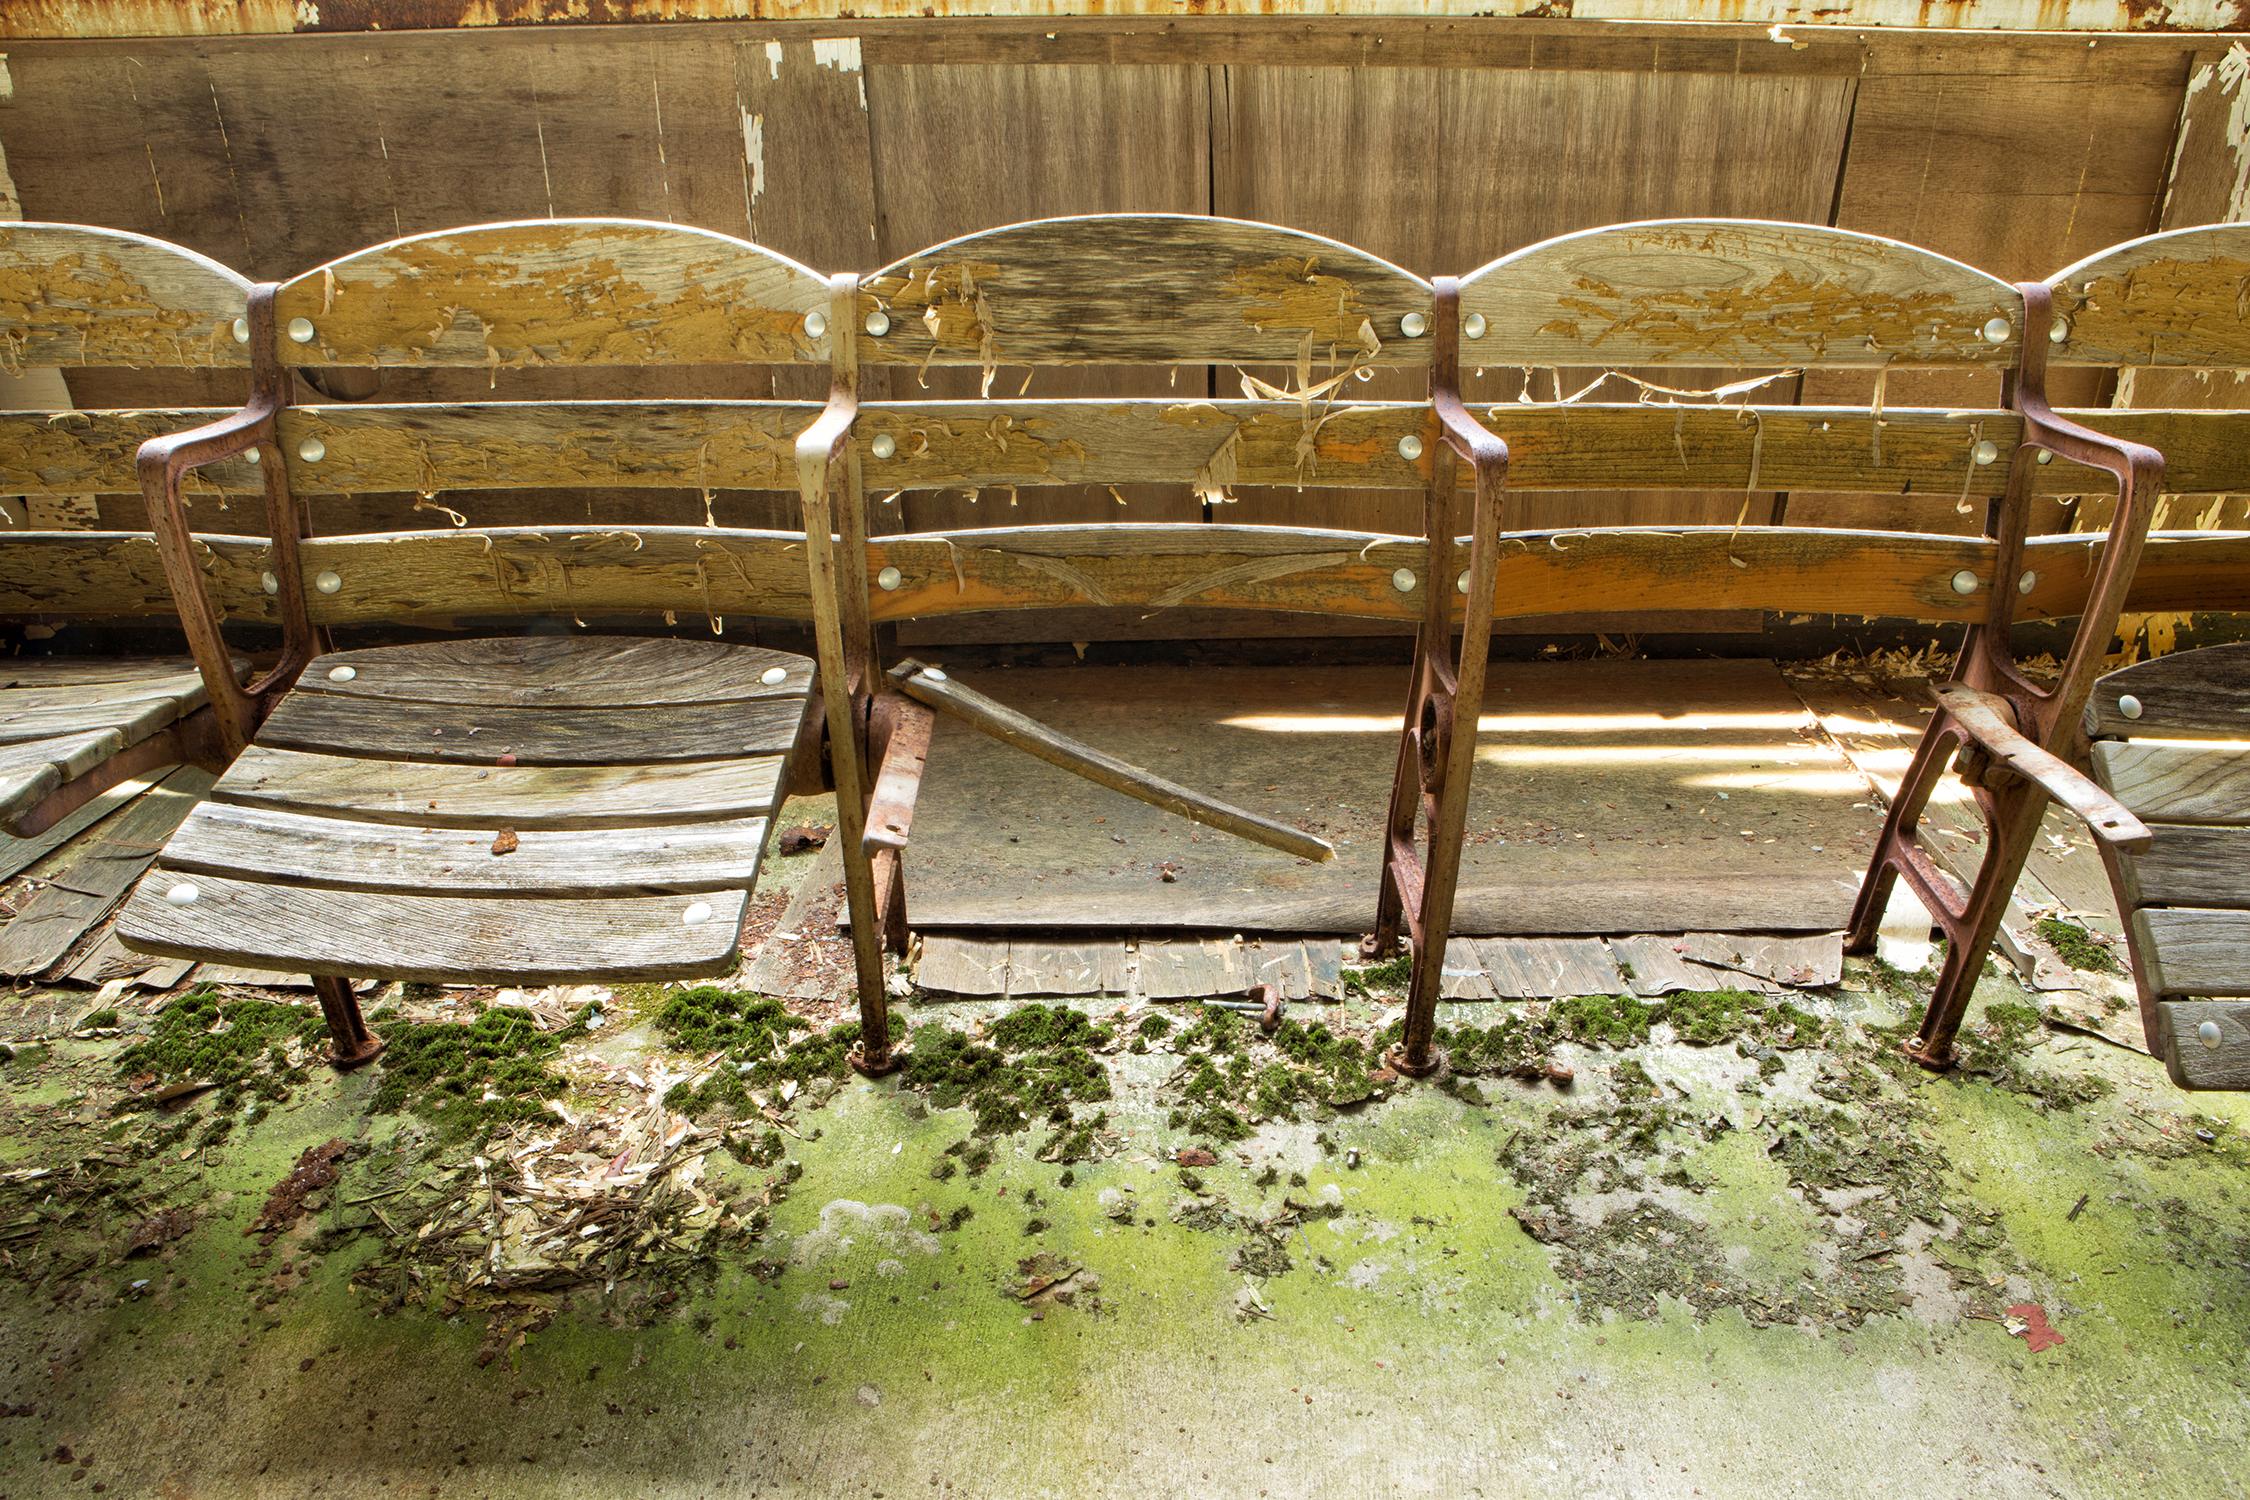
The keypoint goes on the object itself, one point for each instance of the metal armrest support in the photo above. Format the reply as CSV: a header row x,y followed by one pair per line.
x,y
1987,720
163,463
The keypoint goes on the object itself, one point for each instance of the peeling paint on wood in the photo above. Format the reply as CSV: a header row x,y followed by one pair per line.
x,y
71,296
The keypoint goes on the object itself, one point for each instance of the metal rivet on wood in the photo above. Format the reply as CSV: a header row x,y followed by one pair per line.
x,y
774,676
1964,582
300,330
1996,330
1414,325
2058,330
255,456
935,674
878,323
312,450
183,894
2128,705
342,674
328,582
269,583
2045,457
2208,1033
1986,451
816,322
1461,584
890,578
884,445
2027,583
698,913
1410,447
1473,325
242,330
1403,580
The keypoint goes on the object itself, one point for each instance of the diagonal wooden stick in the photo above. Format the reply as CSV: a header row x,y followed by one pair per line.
x,y
931,686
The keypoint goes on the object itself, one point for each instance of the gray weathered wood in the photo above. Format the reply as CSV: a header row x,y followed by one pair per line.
x,y
1547,968
926,685
435,939
1463,976
962,966
2223,1063
18,855
135,718
478,734
1814,961
1196,968
95,873
560,671
2192,950
1654,965
2188,865
291,849
2189,693
1037,968
2176,783
29,771
523,797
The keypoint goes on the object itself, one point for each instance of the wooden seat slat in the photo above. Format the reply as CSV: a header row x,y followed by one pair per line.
x,y
136,717
292,848
478,734
2193,950
2188,865
2176,783
2200,692
561,672
432,938
33,768
2198,1062
522,797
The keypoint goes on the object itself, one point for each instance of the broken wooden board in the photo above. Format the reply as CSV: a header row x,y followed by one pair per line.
x,y
791,964
1609,797
1056,969
1195,968
93,874
1463,976
1549,968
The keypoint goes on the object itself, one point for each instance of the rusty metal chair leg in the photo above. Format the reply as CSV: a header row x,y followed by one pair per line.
x,y
352,1044
1900,825
2014,827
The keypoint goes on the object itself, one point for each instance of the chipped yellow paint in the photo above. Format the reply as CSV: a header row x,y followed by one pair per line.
x,y
1290,295
1781,319
72,296
2160,311
567,292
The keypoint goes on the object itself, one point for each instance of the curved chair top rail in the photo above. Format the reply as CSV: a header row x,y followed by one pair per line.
x,y
71,295
1735,293
1144,288
2179,298
556,292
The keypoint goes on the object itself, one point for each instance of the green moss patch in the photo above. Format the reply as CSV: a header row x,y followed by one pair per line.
x,y
2077,946
759,1052
1232,1076
252,1050
1033,1065
469,1080
1993,1044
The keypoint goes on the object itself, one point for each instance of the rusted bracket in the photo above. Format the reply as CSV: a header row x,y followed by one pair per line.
x,y
2021,737
1437,748
900,733
164,462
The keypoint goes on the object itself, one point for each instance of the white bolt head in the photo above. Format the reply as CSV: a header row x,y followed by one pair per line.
x,y
1461,584
269,583
342,674
312,450
698,913
816,324
2208,1033
935,674
1473,325
2058,330
878,322
328,582
774,676
242,330
2128,705
2043,456
884,445
183,894
1964,582
300,330
890,578
2027,583
1996,330
1414,325
1985,451
1403,580
1410,447
254,456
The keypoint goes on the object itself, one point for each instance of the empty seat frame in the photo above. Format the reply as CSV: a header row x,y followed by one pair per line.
x,y
80,298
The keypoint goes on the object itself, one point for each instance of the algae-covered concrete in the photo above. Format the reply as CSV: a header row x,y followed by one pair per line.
x,y
1773,1264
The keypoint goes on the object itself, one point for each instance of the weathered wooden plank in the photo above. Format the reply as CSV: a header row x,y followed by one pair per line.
x,y
561,672
2165,299
99,673
931,686
1736,293
72,295
300,850
563,291
1308,970
96,874
18,855
1159,288
2176,783
436,939
127,694
523,797
962,966
32,769
1195,968
2189,865
1803,962
2217,1059
1039,967
2189,693
1463,975
1654,965
2193,950
91,452
1546,968
476,734
135,718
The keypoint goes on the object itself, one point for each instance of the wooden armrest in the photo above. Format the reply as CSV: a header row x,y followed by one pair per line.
x,y
1987,720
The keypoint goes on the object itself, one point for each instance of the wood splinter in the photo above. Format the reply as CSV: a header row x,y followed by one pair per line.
x,y
930,686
